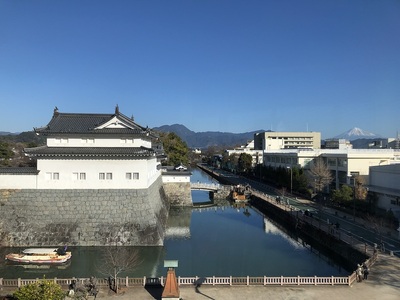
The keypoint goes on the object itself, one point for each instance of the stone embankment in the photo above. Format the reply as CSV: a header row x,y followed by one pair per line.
x,y
84,217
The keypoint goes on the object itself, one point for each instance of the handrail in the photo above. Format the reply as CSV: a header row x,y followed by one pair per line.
x,y
213,280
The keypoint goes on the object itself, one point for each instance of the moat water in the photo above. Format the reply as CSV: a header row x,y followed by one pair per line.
x,y
214,241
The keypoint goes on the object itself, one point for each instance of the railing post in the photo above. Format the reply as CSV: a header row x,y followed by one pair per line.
x,y
144,280
230,280
19,282
281,280
298,280
179,280
315,280
126,281
333,278
213,279
265,280
248,282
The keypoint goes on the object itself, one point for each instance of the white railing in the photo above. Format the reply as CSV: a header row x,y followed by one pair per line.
x,y
226,280
205,186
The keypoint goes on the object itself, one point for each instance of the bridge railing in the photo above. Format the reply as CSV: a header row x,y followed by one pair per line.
x,y
206,186
213,280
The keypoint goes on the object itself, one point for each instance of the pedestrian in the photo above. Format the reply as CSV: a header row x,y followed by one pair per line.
x,y
365,271
359,273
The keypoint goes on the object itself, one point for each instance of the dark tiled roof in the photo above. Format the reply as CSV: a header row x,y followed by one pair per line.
x,y
90,151
22,170
69,123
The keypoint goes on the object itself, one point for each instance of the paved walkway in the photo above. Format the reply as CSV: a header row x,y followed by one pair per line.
x,y
383,283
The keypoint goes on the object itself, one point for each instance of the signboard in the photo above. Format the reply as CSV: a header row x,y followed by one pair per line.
x,y
170,263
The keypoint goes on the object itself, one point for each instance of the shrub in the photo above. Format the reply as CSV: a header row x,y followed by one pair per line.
x,y
40,290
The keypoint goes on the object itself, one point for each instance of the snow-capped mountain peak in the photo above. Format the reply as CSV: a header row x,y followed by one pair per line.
x,y
356,133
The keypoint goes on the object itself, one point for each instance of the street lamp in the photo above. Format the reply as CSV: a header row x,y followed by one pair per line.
x,y
291,179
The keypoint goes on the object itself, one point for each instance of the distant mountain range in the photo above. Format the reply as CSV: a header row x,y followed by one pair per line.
x,y
357,133
208,138
7,133
358,137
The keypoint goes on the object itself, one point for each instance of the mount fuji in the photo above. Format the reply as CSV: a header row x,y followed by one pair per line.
x,y
357,133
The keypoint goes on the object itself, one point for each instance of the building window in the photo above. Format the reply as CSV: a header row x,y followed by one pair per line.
x,y
52,176
78,176
134,176
103,176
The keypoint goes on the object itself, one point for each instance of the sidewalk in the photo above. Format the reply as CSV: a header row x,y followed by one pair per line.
x,y
383,283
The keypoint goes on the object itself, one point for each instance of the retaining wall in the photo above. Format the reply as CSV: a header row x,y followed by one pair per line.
x,y
98,217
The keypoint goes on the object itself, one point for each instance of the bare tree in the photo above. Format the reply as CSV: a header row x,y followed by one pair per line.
x,y
117,260
320,175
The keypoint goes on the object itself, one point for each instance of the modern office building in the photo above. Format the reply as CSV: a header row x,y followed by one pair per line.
x,y
269,140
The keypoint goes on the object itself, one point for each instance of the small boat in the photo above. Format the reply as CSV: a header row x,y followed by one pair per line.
x,y
41,256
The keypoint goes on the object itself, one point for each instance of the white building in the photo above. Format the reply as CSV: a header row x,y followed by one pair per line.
x,y
257,157
90,151
343,163
384,181
270,140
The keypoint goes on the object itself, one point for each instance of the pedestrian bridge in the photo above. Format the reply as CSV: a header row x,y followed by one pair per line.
x,y
206,186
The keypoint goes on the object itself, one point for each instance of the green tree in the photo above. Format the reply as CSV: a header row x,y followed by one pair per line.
x,y
343,195
245,162
175,148
40,290
5,151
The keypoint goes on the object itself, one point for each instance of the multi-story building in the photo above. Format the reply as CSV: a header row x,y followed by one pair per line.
x,y
344,163
248,149
384,182
270,140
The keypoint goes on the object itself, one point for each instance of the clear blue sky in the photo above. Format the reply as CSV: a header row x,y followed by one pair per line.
x,y
232,66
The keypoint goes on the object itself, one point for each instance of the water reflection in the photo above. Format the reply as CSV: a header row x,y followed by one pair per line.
x,y
216,241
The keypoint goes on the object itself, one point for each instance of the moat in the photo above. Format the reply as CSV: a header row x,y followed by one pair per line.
x,y
215,241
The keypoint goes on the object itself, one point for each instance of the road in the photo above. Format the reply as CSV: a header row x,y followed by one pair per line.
x,y
387,240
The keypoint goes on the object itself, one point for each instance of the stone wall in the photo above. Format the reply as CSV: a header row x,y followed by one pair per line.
x,y
83,217
178,193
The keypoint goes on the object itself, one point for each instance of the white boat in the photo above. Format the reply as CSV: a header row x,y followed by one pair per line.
x,y
41,256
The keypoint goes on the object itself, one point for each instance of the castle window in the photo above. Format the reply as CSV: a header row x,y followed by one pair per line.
x,y
134,176
52,176
102,176
79,176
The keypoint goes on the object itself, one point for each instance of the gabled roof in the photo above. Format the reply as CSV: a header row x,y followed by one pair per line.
x,y
83,123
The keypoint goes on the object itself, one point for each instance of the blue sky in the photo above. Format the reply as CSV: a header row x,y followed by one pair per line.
x,y
211,65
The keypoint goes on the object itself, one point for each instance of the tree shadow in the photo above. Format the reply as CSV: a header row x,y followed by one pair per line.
x,y
197,284
154,290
